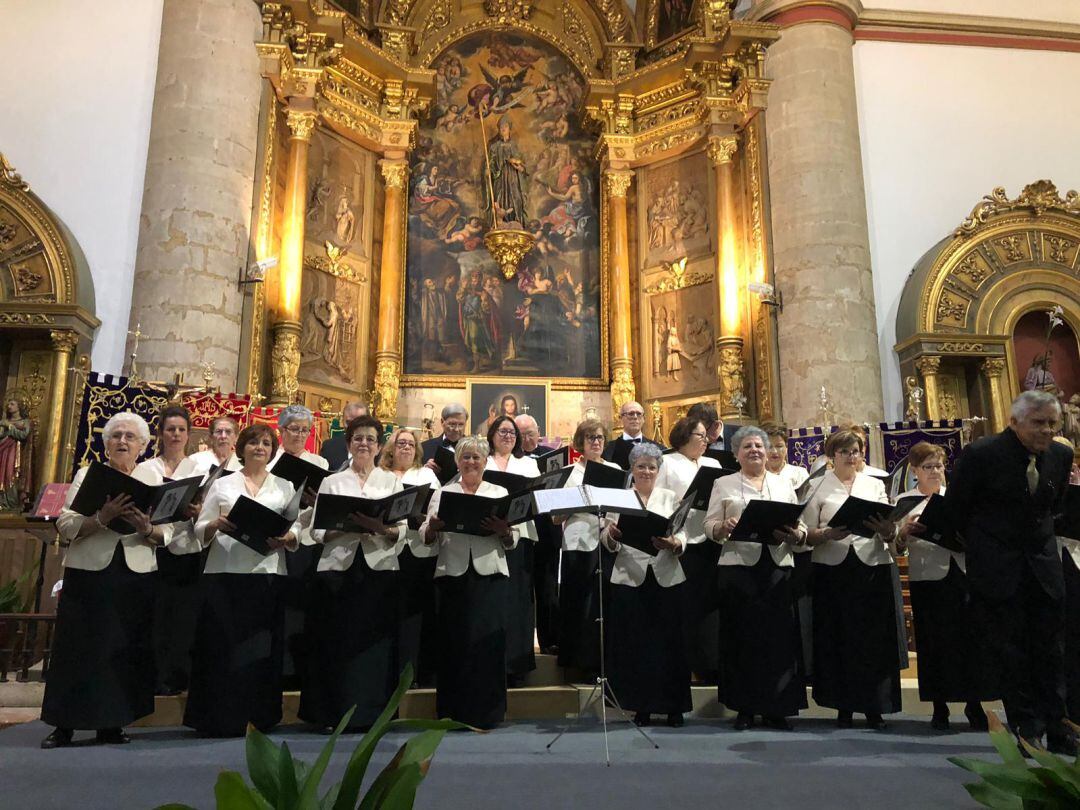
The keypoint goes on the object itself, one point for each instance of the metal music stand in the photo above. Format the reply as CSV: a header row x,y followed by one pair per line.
x,y
602,691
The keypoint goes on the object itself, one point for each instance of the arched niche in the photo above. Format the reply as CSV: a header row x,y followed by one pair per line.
x,y
47,319
962,302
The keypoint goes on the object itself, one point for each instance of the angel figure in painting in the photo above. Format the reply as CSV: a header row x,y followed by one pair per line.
x,y
16,450
570,217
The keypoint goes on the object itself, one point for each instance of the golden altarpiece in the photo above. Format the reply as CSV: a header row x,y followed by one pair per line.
x,y
960,322
642,157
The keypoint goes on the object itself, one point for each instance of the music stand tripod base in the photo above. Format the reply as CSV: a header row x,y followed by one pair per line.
x,y
602,691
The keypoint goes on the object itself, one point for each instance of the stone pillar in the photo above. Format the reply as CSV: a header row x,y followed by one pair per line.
x,y
929,368
617,184
992,369
285,352
731,370
64,343
821,252
395,172
200,174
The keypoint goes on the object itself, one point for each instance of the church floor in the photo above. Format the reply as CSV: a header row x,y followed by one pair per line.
x,y
817,765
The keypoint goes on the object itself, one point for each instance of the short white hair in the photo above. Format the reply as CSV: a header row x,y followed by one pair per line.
x,y
523,420
295,413
126,418
1030,401
454,409
478,444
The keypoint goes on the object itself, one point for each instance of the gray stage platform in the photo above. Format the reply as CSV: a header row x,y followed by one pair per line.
x,y
705,763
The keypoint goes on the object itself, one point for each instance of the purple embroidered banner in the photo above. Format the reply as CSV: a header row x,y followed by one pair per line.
x,y
898,438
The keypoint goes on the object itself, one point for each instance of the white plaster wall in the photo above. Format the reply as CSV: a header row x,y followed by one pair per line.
x,y
78,92
1048,10
941,126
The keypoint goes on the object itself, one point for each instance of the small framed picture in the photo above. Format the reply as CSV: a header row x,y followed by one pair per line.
x,y
491,397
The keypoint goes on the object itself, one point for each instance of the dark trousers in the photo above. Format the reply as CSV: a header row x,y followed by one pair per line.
x,y
1072,637
1025,635
545,574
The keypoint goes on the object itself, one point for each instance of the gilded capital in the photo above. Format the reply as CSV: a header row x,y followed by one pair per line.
x,y
395,173
302,123
928,365
63,340
992,367
722,149
617,181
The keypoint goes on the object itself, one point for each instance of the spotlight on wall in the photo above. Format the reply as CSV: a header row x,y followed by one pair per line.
x,y
768,295
256,271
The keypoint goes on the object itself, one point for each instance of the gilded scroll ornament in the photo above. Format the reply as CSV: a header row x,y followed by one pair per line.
x,y
677,279
956,346
302,123
395,173
26,318
622,387
1013,246
574,28
7,233
722,150
761,356
10,177
334,264
949,309
1058,248
387,383
507,11
970,268
732,375
285,364
438,17
1040,196
992,367
26,280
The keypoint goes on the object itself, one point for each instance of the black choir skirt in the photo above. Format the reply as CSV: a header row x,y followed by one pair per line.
x,y
760,657
646,658
102,670
701,624
953,665
1072,637
296,594
352,630
471,680
579,611
236,675
520,616
417,624
802,578
856,660
176,613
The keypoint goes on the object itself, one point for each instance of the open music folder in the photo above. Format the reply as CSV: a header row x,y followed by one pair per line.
x,y
164,503
939,528
256,523
587,498
297,471
334,512
464,514
854,512
761,518
639,530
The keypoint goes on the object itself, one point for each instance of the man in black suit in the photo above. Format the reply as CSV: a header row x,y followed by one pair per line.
x,y
719,434
1004,494
454,417
334,450
545,562
633,420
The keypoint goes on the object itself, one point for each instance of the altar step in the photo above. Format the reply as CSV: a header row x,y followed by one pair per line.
x,y
547,695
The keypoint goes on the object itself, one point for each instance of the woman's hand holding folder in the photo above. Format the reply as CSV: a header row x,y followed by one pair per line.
x,y
435,525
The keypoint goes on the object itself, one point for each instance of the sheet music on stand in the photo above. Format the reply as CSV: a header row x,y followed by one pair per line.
x,y
587,498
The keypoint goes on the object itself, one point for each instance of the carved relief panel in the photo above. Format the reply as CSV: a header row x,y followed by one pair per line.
x,y
674,210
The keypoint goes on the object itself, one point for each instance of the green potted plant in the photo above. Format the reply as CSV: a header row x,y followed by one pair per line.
x,y
281,782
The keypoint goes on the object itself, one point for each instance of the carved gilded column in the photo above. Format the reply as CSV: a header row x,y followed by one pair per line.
x,y
395,172
285,354
929,367
993,368
616,186
731,370
63,346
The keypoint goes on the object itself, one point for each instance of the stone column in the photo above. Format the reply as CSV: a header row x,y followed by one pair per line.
x,y
617,184
929,367
285,353
200,174
395,172
64,343
731,371
821,252
992,369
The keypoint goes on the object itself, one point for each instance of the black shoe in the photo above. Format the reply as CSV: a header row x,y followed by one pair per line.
x,y
875,722
939,722
112,736
778,723
844,720
675,720
1063,744
515,681
743,721
976,717
642,719
59,738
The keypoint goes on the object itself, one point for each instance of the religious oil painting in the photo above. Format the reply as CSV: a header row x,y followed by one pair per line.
x,y
673,17
337,239
490,399
678,336
674,220
502,148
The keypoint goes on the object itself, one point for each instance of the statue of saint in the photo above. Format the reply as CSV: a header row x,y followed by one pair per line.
x,y
16,450
508,183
